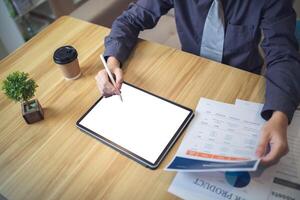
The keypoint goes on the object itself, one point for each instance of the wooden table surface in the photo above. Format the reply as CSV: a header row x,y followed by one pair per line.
x,y
52,159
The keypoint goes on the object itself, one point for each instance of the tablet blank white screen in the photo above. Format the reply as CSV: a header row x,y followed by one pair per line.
x,y
142,123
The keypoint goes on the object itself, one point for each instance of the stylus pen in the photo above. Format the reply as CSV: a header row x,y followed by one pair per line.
x,y
110,75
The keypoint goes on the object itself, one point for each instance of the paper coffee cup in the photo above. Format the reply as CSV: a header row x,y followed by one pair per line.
x,y
66,58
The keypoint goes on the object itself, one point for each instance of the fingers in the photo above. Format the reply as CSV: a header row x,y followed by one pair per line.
x,y
273,133
277,151
114,66
104,85
119,77
103,82
262,145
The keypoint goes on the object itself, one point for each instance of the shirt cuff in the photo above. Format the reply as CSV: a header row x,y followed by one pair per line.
x,y
278,100
116,49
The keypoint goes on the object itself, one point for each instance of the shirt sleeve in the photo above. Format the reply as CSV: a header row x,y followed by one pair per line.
x,y
282,59
144,14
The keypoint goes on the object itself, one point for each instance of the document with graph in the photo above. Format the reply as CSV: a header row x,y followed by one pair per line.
x,y
277,182
222,137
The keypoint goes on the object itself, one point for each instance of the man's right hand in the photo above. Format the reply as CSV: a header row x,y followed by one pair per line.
x,y
104,85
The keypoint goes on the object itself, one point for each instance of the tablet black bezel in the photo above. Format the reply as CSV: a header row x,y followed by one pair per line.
x,y
130,154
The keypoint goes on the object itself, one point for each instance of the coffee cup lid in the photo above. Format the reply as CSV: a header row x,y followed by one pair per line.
x,y
64,55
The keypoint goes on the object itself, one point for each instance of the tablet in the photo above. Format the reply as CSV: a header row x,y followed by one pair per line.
x,y
143,127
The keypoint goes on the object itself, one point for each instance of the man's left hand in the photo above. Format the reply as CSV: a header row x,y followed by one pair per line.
x,y
274,132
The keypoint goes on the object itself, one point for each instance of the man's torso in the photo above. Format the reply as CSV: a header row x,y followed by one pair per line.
x,y
242,31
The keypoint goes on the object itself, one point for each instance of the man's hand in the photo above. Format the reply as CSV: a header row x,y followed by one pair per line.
x,y
104,85
274,132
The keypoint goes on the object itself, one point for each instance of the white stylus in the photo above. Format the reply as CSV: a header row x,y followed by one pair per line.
x,y
110,75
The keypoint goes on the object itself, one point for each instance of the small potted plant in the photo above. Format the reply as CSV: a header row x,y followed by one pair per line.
x,y
18,87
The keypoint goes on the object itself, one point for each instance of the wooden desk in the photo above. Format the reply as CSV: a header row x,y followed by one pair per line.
x,y
52,159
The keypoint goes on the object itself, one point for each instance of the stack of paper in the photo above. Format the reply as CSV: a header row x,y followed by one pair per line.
x,y
286,181
222,137
281,181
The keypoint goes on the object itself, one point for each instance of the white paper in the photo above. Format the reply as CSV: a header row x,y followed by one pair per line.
x,y
213,186
288,170
264,186
142,123
220,134
289,166
236,132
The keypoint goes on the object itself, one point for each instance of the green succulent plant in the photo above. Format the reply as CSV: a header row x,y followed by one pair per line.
x,y
19,87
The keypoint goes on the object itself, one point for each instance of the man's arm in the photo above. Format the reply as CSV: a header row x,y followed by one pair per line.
x,y
282,58
282,78
144,14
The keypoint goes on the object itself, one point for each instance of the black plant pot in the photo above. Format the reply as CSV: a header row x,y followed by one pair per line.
x,y
32,111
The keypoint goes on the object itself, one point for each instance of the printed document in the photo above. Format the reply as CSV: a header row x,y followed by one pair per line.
x,y
220,138
279,182
286,180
